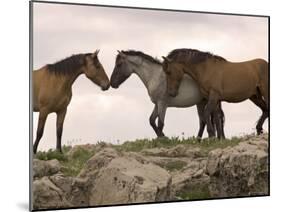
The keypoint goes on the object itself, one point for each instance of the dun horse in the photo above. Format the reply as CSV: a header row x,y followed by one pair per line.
x,y
151,74
219,80
52,88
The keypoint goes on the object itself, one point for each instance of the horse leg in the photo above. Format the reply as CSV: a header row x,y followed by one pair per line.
x,y
218,116
262,105
222,120
210,108
152,120
40,128
161,118
214,121
60,120
263,117
200,109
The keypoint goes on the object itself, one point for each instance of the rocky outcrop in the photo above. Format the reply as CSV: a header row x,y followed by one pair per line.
x,y
47,195
114,176
177,151
125,178
190,180
239,171
107,178
45,168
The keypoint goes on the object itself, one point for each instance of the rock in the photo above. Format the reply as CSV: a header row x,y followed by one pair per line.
x,y
239,171
60,191
155,152
45,168
184,151
213,161
190,180
177,151
74,189
158,174
99,160
122,179
47,195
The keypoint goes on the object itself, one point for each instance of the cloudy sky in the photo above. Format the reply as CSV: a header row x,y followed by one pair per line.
x,y
122,114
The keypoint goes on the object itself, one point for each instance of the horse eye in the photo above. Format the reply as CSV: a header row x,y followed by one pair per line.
x,y
96,64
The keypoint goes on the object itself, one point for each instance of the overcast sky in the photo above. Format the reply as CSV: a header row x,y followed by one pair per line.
x,y
122,114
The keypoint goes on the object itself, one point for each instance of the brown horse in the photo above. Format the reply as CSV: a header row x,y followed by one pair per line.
x,y
52,88
149,70
220,80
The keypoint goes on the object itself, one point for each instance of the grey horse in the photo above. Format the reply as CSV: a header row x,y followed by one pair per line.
x,y
153,77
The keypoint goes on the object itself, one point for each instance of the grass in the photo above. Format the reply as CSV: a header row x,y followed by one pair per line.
x,y
206,145
71,166
53,154
201,192
174,165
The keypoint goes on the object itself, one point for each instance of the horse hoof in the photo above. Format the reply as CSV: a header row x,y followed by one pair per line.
x,y
198,139
59,150
260,131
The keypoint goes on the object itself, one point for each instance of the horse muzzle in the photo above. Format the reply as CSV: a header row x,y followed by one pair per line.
x,y
114,85
105,87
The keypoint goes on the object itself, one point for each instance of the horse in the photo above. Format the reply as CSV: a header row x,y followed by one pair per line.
x,y
52,90
220,80
149,70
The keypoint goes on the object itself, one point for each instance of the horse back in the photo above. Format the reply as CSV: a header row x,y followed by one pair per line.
x,y
258,67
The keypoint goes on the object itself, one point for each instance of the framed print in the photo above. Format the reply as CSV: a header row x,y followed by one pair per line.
x,y
146,105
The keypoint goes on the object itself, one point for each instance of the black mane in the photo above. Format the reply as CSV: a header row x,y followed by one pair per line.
x,y
142,55
68,65
192,55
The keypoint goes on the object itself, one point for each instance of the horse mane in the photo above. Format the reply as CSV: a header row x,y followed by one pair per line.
x,y
192,55
142,55
68,65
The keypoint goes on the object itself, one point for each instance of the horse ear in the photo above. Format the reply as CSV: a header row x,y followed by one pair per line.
x,y
121,53
166,59
96,53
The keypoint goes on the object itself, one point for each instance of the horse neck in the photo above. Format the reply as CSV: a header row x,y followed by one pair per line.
x,y
194,71
150,74
199,71
69,79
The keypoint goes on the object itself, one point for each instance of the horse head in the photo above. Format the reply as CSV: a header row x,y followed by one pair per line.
x,y
174,72
121,70
94,70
